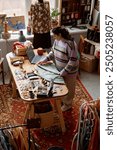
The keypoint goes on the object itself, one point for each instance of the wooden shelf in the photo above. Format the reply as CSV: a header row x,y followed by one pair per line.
x,y
74,11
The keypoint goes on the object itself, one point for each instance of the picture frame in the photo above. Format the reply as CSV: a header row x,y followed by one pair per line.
x,y
16,23
2,18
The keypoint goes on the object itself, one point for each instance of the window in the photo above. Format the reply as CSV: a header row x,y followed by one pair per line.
x,y
12,7
19,7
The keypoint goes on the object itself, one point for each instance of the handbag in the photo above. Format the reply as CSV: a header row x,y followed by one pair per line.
x,y
93,34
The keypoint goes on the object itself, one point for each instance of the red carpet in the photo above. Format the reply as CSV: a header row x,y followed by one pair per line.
x,y
49,137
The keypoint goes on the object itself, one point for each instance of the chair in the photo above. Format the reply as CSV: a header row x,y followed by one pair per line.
x,y
2,69
80,48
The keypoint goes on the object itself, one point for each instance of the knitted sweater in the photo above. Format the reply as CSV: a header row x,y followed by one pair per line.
x,y
65,55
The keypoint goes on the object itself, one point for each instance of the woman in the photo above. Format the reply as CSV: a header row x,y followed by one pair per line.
x,y
41,25
65,55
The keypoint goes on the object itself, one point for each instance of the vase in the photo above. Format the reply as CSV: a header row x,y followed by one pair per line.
x,y
22,37
54,24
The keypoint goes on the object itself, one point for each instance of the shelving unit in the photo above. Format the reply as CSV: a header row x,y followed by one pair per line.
x,y
75,12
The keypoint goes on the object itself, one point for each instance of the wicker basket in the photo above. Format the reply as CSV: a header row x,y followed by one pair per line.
x,y
47,119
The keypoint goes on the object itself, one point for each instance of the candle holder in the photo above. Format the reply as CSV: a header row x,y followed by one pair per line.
x,y
5,34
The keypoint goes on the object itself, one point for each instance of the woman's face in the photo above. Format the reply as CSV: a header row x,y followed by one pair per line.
x,y
57,37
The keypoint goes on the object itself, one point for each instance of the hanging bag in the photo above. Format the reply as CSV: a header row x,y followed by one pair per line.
x,y
93,34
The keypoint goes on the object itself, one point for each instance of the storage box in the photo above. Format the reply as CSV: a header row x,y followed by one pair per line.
x,y
20,51
45,112
88,62
47,119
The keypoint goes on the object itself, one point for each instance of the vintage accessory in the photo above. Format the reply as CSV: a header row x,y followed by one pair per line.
x,y
33,123
19,49
40,51
88,62
5,35
21,37
93,34
16,61
32,76
42,107
50,89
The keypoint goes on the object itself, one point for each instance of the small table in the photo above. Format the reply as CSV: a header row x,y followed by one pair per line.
x,y
19,80
2,69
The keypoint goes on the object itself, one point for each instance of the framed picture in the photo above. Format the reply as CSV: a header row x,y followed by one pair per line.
x,y
16,23
2,18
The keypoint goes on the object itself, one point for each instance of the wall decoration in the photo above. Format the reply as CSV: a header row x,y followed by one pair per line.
x,y
2,18
16,23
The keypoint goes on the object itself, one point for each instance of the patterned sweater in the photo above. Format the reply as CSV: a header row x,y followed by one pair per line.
x,y
40,17
65,55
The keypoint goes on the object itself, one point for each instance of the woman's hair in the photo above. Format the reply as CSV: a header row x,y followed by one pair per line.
x,y
40,1
64,32
37,1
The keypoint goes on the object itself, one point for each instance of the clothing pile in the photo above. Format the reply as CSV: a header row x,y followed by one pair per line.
x,y
12,139
16,138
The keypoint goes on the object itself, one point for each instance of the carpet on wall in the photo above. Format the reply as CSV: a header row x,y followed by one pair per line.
x,y
13,110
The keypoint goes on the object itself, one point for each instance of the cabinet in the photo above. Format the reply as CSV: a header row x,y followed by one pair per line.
x,y
75,12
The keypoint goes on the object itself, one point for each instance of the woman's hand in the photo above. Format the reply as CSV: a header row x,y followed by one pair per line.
x,y
40,63
44,63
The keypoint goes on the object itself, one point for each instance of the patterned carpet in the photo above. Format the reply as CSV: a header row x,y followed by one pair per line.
x,y
13,110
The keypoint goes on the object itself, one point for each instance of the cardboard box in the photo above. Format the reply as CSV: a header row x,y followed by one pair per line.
x,y
88,62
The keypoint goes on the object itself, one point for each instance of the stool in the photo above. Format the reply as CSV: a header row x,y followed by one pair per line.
x,y
2,69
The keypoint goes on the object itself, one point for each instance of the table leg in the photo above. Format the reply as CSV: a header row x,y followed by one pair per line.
x,y
30,113
26,116
14,94
62,123
2,73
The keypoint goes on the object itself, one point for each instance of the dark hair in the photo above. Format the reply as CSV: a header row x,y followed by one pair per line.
x,y
64,32
41,1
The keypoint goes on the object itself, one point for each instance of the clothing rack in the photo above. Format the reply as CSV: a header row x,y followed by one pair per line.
x,y
4,139
15,126
87,130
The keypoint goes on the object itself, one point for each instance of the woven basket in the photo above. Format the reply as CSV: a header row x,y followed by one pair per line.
x,y
47,119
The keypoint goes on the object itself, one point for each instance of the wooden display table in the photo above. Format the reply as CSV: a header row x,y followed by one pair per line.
x,y
23,85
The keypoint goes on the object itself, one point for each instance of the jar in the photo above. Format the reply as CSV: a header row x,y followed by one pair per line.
x,y
29,30
21,37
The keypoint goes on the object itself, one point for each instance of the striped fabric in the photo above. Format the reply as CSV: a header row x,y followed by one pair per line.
x,y
65,56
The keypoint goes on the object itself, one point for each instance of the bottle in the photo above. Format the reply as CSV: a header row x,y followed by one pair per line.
x,y
28,30
22,37
5,26
29,24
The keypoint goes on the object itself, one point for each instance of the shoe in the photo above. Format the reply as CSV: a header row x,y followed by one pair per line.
x,y
65,108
